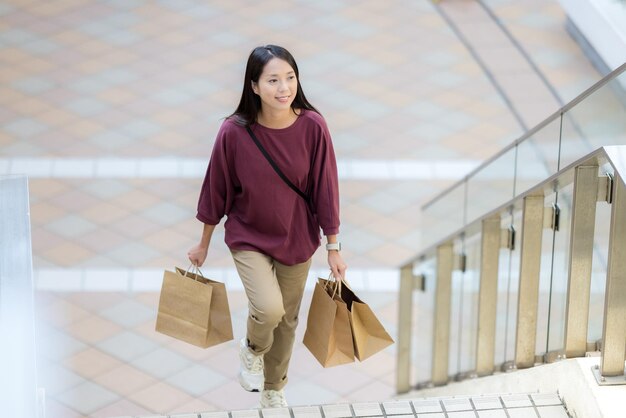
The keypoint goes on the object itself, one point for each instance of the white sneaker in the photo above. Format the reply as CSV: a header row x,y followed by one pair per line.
x,y
273,399
251,376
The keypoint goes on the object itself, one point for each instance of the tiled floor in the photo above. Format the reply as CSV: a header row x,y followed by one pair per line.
x,y
112,107
100,356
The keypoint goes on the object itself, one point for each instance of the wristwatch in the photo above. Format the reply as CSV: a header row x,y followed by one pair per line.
x,y
334,246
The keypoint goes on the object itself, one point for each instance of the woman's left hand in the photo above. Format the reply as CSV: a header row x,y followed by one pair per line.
x,y
336,264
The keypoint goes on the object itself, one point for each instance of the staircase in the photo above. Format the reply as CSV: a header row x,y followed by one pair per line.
x,y
535,405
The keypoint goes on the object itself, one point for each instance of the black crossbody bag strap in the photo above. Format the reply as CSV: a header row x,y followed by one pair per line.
x,y
275,167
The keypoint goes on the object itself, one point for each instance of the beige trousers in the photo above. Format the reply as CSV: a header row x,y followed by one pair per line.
x,y
274,293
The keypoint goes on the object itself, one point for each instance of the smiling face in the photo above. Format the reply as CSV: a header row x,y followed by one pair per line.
x,y
277,86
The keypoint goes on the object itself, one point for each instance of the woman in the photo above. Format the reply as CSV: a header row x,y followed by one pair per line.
x,y
272,229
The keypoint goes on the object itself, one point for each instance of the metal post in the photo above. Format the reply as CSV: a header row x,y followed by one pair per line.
x,y
530,264
487,296
614,331
441,335
405,312
580,257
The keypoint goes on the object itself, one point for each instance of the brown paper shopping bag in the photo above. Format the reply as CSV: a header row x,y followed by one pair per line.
x,y
369,334
194,309
328,336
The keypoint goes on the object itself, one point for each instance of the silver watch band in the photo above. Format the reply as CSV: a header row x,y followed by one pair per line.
x,y
334,246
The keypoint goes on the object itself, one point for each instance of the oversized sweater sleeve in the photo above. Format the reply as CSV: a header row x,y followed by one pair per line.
x,y
325,192
217,190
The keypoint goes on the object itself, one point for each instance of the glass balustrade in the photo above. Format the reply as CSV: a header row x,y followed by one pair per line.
x,y
543,164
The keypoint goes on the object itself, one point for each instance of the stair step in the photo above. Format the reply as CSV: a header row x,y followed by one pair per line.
x,y
533,405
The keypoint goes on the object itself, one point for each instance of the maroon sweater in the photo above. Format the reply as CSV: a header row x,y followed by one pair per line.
x,y
263,213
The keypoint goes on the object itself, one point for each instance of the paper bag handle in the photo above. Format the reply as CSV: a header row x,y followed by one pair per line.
x,y
193,269
336,285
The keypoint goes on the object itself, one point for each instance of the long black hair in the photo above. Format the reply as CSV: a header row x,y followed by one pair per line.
x,y
250,103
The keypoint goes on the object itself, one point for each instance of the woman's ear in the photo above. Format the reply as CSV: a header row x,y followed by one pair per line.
x,y
255,87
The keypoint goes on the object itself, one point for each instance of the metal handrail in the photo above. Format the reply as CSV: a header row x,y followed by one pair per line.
x,y
597,86
589,187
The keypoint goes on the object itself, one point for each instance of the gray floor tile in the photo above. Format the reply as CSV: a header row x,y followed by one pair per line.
x,y
126,346
196,380
129,313
87,397
161,363
57,346
308,393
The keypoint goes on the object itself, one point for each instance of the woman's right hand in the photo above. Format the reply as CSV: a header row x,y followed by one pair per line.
x,y
197,254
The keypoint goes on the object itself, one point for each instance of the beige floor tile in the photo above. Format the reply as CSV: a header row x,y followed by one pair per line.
x,y
91,363
101,240
121,408
67,254
224,360
198,354
125,380
104,213
62,313
44,212
150,299
46,188
160,397
168,239
93,301
341,380
43,240
55,409
194,406
231,396
92,329
147,330
375,390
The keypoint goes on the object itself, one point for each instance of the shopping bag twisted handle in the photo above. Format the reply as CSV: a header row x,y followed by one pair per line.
x,y
336,285
192,268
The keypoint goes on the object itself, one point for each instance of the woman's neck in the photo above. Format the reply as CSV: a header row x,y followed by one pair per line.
x,y
277,120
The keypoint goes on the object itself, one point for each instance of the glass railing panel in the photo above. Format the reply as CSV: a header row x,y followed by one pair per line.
x,y
538,157
598,120
503,308
599,265
545,282
444,216
469,312
560,270
492,186
422,336
456,313
512,287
